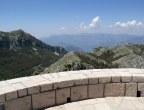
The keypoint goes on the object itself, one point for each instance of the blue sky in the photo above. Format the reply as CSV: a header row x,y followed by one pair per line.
x,y
42,18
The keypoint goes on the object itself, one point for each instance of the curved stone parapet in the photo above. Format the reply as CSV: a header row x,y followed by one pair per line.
x,y
43,91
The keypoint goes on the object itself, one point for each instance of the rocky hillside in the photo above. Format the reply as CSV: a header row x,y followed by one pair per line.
x,y
21,54
121,56
19,39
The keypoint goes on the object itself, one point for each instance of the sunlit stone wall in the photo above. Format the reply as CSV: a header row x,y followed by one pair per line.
x,y
43,91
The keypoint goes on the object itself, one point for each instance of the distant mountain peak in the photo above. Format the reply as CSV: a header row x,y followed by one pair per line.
x,y
18,39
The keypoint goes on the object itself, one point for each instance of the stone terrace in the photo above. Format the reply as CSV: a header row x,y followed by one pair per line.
x,y
47,90
108,103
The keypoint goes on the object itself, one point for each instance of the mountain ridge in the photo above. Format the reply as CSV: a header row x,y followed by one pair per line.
x,y
120,56
21,54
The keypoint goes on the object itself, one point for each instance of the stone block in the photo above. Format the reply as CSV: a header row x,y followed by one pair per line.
x,y
103,77
114,77
120,70
19,104
12,81
2,96
138,78
10,92
131,89
22,90
62,74
62,96
47,76
80,79
54,75
79,93
114,89
93,79
141,89
22,79
37,78
125,76
85,72
43,100
46,85
135,71
95,91
3,83
73,72
1,106
62,82
32,86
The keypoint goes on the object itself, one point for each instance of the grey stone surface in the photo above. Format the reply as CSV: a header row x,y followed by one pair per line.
x,y
131,89
138,78
74,85
43,100
141,89
10,92
1,106
114,77
103,77
95,91
79,93
80,79
125,76
3,83
62,82
114,89
109,103
93,79
33,87
46,85
11,95
2,96
62,95
19,104
22,90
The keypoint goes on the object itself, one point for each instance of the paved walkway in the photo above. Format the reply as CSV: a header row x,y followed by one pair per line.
x,y
108,103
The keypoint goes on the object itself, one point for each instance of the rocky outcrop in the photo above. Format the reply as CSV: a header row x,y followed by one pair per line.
x,y
21,54
121,56
19,39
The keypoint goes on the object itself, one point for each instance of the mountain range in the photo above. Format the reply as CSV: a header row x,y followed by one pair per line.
x,y
88,41
21,54
121,56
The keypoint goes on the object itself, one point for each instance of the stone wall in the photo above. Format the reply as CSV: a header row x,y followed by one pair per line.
x,y
43,91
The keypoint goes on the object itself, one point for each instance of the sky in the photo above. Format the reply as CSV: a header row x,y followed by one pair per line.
x,y
43,18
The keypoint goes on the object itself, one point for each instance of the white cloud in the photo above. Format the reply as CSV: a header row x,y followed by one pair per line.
x,y
139,23
129,27
92,25
129,24
62,28
82,26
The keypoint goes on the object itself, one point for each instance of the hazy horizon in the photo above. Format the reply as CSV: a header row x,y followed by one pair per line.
x,y
43,18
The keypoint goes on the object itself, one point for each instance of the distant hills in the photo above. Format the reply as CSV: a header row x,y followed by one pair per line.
x,y
88,41
121,56
21,54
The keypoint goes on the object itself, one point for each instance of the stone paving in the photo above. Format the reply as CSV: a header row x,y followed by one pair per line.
x,y
108,103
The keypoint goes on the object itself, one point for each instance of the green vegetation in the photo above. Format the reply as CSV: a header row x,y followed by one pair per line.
x,y
24,62
123,56
23,55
